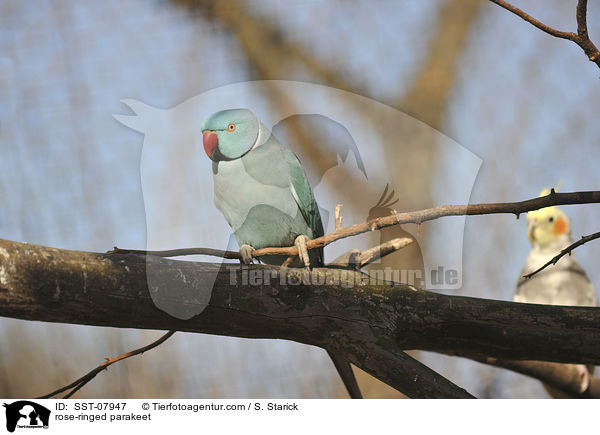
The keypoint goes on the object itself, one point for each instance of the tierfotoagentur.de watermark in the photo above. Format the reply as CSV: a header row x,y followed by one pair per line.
x,y
252,276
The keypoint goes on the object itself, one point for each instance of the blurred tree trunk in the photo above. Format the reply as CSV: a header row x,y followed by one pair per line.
x,y
271,56
426,100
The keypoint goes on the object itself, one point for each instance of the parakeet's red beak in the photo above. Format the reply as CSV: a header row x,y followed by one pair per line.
x,y
210,141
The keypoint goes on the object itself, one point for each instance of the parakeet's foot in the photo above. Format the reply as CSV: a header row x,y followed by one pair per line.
x,y
300,243
246,253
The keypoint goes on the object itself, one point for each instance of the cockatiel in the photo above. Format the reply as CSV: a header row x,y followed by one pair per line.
x,y
262,190
566,283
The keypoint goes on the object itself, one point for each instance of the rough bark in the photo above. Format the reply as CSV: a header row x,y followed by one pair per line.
x,y
369,323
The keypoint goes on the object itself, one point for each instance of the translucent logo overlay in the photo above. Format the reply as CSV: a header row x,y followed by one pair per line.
x,y
369,157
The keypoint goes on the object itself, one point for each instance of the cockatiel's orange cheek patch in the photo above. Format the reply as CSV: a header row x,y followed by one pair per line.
x,y
560,226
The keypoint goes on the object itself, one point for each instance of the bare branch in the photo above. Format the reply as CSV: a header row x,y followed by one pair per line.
x,y
180,252
570,379
581,13
549,30
80,383
49,284
387,248
418,217
564,252
46,284
581,38
356,259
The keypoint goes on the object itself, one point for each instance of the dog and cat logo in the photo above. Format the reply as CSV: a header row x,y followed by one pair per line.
x,y
25,414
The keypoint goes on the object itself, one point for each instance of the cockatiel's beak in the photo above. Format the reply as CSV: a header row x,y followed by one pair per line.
x,y
210,141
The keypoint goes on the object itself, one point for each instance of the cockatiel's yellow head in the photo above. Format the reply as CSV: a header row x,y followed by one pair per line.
x,y
547,225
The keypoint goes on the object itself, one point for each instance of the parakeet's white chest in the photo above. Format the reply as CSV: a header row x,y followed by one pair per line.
x,y
237,192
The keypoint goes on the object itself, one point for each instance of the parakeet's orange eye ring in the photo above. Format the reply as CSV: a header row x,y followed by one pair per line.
x,y
231,127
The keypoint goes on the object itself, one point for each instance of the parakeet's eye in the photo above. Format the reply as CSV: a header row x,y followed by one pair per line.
x,y
231,127
551,219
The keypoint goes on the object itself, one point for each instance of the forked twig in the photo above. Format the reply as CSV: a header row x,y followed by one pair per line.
x,y
580,38
80,383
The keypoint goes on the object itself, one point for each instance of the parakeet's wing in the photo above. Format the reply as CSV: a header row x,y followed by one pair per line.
x,y
305,199
303,195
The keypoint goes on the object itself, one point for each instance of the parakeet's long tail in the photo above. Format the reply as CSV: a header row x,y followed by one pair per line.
x,y
345,371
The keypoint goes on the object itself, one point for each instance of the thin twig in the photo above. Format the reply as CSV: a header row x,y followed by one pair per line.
x,y
564,252
79,383
418,217
549,30
581,38
338,217
356,259
389,247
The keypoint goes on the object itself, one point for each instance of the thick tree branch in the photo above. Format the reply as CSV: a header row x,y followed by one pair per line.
x,y
180,252
340,310
568,378
581,38
564,252
48,284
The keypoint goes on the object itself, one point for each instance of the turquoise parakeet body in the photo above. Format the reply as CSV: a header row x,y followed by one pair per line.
x,y
262,190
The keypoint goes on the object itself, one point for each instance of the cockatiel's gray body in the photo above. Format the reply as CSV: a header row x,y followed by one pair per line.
x,y
565,283
261,189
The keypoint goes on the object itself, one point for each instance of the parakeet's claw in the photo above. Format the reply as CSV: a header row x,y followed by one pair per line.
x,y
246,253
300,243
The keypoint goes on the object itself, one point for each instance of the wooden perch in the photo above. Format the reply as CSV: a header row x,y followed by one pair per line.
x,y
370,323
418,217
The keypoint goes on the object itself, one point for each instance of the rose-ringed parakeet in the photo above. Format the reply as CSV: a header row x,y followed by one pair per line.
x,y
262,190
566,283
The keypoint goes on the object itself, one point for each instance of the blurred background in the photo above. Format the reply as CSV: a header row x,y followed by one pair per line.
x,y
523,102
